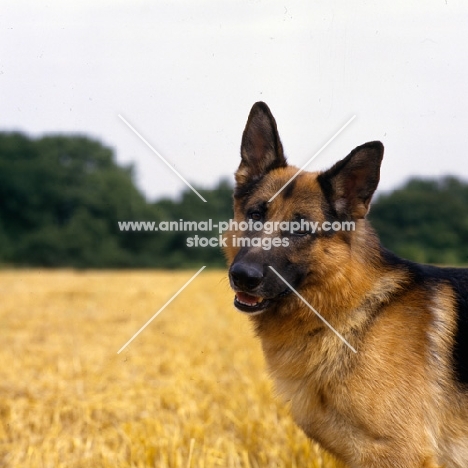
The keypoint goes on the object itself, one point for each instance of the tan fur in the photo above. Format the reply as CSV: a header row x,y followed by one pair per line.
x,y
394,403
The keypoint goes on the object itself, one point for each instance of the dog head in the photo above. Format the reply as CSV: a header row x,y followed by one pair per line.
x,y
300,243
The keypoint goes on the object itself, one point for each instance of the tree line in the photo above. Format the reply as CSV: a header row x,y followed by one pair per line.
x,y
62,198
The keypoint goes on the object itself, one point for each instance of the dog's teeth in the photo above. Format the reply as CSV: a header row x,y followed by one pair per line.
x,y
248,300
250,304
247,304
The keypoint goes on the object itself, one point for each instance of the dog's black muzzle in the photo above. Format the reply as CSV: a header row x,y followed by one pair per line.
x,y
256,286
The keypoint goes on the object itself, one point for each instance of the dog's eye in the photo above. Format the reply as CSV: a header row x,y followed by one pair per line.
x,y
300,232
255,216
299,226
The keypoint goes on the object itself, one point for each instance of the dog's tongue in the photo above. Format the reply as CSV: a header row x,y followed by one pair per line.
x,y
247,298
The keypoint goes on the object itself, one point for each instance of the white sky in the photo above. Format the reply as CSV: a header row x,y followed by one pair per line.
x,y
185,74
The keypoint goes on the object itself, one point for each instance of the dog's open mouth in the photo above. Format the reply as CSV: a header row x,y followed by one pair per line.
x,y
248,303
254,304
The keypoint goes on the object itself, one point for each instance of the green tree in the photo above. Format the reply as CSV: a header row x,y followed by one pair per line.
x,y
61,198
425,220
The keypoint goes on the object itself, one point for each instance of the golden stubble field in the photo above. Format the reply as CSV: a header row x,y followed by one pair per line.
x,y
190,391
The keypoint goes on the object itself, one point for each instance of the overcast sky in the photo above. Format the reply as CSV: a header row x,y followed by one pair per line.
x,y
185,74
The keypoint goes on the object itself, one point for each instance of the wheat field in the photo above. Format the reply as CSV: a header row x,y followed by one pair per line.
x,y
190,391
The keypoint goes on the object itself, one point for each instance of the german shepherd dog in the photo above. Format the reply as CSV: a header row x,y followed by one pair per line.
x,y
380,378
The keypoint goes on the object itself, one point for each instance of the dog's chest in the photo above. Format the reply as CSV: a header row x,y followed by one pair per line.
x,y
312,375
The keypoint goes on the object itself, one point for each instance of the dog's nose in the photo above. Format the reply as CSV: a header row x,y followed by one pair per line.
x,y
246,276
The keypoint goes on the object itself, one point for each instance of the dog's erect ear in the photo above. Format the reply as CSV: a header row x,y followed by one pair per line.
x,y
351,182
261,149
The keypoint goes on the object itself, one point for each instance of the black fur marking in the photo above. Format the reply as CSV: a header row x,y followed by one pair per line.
x,y
429,276
327,190
245,190
331,215
289,189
